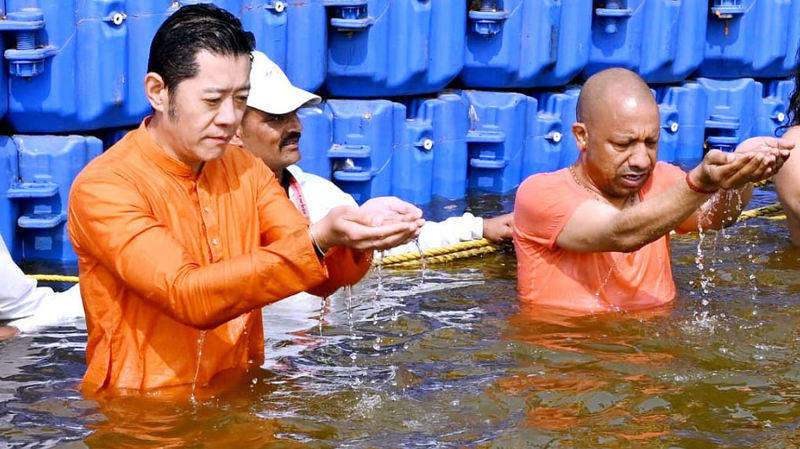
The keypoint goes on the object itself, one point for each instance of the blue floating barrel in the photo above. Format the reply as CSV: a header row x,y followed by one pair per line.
x,y
661,40
752,38
9,207
47,167
358,142
85,65
293,33
412,162
552,128
379,48
773,110
732,106
526,43
690,102
316,140
446,119
499,129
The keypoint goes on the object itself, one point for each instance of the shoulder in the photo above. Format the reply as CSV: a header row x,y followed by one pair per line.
x,y
792,133
544,183
111,166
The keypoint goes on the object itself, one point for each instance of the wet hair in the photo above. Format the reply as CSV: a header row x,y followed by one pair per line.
x,y
191,29
793,109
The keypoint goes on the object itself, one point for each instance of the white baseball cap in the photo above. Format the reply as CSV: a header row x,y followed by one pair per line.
x,y
271,91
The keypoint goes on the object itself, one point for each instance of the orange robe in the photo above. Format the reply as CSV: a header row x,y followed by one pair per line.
x,y
165,254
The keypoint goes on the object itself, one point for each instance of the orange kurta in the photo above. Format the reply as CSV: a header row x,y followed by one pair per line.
x,y
548,275
164,253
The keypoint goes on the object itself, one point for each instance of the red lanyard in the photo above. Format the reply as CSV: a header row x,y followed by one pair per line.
x,y
299,200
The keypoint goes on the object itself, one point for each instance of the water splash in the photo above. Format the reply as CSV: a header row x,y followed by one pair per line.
x,y
323,304
379,288
421,260
348,293
200,341
706,280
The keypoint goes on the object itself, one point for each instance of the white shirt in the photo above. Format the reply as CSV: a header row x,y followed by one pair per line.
x,y
33,307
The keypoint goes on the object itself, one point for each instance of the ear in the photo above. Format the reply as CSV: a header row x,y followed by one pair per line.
x,y
581,135
156,92
237,138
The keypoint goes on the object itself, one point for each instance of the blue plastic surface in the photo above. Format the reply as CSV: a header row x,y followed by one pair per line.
x,y
552,127
34,218
359,142
412,162
661,40
379,48
526,43
9,208
686,110
92,76
752,38
732,106
448,117
500,125
316,140
773,109
94,57
293,33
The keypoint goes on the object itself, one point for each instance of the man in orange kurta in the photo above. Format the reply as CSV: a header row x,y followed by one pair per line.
x,y
594,237
182,239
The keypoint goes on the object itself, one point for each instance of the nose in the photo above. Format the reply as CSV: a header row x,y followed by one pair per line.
x,y
639,159
294,124
228,113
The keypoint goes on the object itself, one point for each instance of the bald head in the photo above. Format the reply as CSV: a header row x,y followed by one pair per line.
x,y
610,88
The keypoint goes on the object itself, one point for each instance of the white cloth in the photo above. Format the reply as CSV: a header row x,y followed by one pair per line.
x,y
33,307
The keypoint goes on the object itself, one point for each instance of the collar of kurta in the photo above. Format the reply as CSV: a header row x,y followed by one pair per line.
x,y
157,154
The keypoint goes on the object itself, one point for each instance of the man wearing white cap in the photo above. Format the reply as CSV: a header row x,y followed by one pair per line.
x,y
271,130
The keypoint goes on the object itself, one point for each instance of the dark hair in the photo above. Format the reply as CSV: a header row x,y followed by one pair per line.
x,y
189,30
793,110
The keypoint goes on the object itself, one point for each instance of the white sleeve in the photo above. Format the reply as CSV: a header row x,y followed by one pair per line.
x,y
57,309
439,234
320,194
19,296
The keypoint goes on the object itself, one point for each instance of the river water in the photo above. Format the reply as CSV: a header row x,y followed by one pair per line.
x,y
455,361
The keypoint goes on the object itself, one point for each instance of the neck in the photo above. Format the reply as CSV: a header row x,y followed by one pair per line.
x,y
164,141
584,181
283,178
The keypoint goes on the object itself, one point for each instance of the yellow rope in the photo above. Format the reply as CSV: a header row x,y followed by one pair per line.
x,y
54,278
443,258
760,211
763,182
438,255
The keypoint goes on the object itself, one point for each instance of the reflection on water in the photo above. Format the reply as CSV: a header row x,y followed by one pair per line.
x,y
456,362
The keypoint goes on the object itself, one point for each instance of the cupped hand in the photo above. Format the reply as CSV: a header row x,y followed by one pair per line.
x,y
389,209
754,160
371,229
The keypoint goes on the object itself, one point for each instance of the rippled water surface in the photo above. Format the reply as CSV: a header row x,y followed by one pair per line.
x,y
456,362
